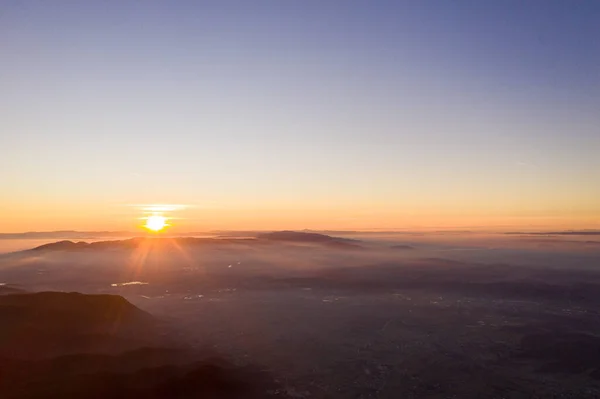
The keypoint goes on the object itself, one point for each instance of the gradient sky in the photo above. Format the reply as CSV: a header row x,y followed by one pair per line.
x,y
300,114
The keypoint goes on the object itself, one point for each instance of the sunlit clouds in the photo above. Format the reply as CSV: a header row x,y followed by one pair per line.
x,y
153,208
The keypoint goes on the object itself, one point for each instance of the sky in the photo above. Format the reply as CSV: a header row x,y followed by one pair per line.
x,y
300,114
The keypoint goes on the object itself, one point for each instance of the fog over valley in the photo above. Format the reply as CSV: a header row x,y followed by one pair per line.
x,y
367,314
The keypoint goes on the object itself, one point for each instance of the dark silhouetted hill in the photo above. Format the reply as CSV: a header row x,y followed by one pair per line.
x,y
46,324
148,374
165,242
298,236
310,238
64,245
134,243
39,329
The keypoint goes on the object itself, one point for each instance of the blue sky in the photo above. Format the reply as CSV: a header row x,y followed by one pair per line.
x,y
406,111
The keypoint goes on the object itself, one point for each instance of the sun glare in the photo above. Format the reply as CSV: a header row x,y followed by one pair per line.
x,y
156,222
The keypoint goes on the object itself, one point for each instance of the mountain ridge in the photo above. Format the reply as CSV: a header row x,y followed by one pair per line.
x,y
285,236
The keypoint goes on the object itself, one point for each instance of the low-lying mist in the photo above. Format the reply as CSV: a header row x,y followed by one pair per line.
x,y
377,315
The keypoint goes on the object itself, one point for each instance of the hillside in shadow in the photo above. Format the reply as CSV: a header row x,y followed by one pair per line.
x,y
71,345
37,325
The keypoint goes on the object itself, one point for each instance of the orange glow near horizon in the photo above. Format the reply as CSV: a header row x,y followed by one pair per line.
x,y
98,217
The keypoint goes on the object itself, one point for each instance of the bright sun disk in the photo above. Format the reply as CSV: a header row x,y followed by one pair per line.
x,y
156,222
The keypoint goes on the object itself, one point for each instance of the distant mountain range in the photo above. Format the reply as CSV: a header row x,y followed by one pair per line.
x,y
75,235
559,233
310,238
265,238
64,234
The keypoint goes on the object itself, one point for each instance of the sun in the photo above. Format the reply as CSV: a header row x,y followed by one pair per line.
x,y
156,222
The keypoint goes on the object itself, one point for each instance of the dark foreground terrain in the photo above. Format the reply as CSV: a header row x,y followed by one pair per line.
x,y
305,316
71,345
